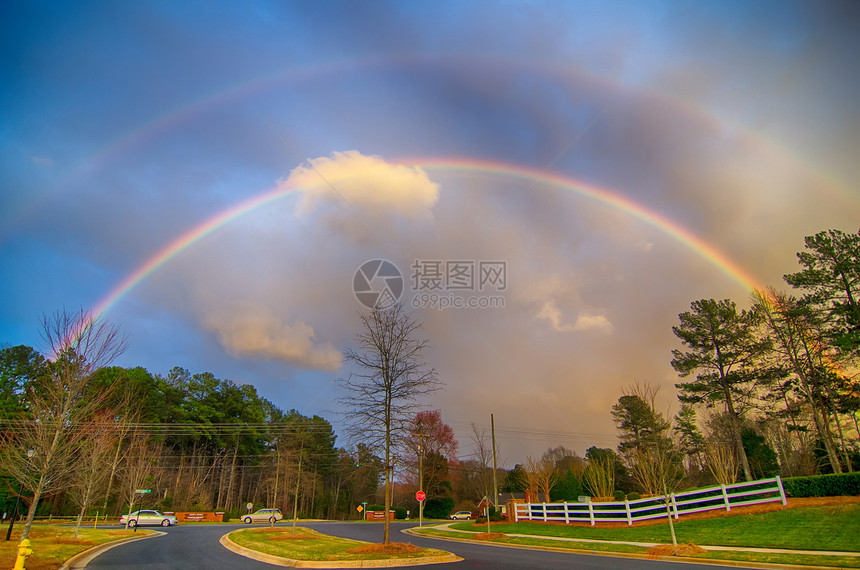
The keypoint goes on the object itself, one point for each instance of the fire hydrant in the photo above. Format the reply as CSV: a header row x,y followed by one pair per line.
x,y
24,551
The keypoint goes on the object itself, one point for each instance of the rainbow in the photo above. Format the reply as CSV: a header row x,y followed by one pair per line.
x,y
530,175
757,142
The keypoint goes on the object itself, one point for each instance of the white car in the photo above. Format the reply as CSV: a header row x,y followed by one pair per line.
x,y
263,515
148,518
460,515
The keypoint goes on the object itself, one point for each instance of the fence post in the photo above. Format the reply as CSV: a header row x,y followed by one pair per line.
x,y
544,512
591,512
726,498
781,489
629,514
566,514
674,505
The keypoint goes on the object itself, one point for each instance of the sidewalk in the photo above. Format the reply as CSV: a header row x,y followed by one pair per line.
x,y
447,527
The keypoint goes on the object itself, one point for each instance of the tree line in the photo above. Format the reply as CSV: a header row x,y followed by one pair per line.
x,y
770,389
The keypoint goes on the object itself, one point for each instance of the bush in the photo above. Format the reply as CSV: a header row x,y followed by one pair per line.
x,y
568,488
823,485
618,495
375,507
399,513
634,496
438,508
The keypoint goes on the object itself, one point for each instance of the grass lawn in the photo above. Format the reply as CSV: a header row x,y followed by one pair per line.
x,y
54,544
788,559
309,544
810,528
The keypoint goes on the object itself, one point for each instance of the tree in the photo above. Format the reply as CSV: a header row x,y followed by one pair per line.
x,y
102,436
19,367
565,460
690,438
638,423
831,278
531,479
801,350
724,349
429,446
57,405
481,464
761,456
385,391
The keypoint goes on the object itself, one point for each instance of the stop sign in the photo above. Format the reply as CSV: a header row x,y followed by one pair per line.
x,y
419,496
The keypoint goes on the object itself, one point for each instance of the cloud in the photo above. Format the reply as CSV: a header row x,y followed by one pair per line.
x,y
262,336
551,313
42,161
359,194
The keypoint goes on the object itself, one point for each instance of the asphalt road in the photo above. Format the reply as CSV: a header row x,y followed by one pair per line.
x,y
187,547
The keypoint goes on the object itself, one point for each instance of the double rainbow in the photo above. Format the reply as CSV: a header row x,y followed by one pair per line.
x,y
532,176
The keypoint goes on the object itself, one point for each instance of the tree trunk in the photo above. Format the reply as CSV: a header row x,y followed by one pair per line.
x,y
736,429
386,533
31,512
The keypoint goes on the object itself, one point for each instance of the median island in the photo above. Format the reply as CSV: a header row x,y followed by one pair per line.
x,y
312,549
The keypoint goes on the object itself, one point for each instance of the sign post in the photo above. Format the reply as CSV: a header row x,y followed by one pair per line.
x,y
420,496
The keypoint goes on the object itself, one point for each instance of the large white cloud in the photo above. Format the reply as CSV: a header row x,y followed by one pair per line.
x,y
363,195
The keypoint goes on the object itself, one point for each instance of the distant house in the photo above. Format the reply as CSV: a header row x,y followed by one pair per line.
x,y
516,497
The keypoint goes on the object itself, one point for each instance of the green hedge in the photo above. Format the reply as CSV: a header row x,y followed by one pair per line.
x,y
823,485
438,508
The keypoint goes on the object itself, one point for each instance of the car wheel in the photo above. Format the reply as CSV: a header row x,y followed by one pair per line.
x,y
132,523
165,522
272,520
247,520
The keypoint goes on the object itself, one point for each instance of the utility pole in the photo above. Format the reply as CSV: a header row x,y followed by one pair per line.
x,y
420,480
495,484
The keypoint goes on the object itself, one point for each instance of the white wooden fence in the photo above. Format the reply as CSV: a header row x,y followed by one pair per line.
x,y
699,500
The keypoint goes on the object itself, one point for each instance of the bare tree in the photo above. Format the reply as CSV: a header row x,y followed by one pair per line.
x,y
531,478
385,391
722,462
138,470
483,459
599,477
47,435
90,476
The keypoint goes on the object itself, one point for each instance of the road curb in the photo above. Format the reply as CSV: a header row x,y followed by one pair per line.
x,y
81,559
679,559
294,563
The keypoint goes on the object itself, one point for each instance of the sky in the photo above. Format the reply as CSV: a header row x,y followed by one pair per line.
x,y
211,176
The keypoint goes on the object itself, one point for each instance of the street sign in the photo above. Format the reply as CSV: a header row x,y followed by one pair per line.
x,y
143,491
359,508
249,506
420,496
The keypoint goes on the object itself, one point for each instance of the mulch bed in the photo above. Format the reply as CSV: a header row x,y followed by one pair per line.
x,y
680,550
391,548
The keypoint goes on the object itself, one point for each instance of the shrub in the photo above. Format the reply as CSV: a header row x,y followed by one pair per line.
x,y
634,496
375,507
438,508
399,513
618,495
823,485
568,488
